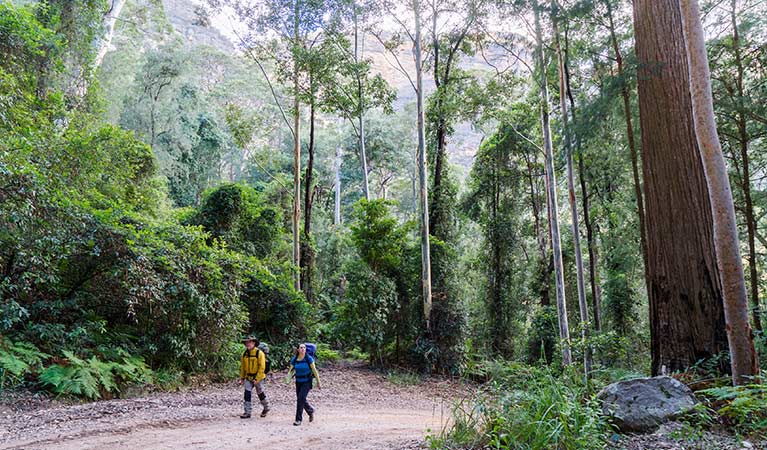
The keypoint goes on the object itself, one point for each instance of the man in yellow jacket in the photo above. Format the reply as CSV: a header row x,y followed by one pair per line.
x,y
252,375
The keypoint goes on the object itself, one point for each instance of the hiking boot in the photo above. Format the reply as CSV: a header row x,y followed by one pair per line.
x,y
297,423
264,412
311,417
245,416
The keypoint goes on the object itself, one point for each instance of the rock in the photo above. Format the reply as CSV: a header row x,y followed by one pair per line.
x,y
643,404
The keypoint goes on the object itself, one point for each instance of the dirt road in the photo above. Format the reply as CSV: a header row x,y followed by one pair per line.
x,y
356,409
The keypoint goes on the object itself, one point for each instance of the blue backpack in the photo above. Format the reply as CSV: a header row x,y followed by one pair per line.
x,y
311,350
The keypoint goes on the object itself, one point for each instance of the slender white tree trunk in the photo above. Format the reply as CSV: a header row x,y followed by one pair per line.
x,y
110,19
551,194
583,306
739,335
359,49
337,184
422,174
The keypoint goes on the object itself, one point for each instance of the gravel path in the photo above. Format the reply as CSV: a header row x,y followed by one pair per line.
x,y
356,409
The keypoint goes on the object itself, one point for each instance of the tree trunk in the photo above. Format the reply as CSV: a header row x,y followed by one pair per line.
x,y
743,359
422,173
363,156
337,185
582,305
496,312
296,168
307,255
110,19
564,330
596,292
685,295
630,137
743,141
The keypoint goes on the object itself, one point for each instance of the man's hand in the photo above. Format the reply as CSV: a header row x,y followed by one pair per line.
x,y
242,381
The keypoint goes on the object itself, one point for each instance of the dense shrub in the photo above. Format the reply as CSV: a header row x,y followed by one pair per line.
x,y
366,317
380,312
237,214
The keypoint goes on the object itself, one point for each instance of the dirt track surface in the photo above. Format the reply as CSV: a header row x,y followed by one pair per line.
x,y
356,409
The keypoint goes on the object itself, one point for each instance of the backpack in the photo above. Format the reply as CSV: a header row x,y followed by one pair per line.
x,y
261,348
264,347
311,350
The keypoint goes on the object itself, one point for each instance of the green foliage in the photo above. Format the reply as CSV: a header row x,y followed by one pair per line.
x,y
26,44
91,254
93,378
365,317
278,314
237,214
17,360
744,407
327,354
528,408
379,312
377,236
495,202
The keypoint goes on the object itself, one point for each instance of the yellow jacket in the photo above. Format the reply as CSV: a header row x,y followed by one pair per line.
x,y
253,365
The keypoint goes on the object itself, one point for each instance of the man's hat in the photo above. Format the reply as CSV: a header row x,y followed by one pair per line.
x,y
249,337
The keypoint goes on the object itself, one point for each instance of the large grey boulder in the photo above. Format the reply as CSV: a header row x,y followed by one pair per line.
x,y
643,404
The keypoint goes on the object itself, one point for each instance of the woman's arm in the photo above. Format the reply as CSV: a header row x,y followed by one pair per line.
x,y
316,374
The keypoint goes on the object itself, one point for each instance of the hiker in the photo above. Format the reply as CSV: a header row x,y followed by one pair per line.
x,y
302,366
252,374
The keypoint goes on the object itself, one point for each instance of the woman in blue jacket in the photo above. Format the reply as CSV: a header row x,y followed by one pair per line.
x,y
302,366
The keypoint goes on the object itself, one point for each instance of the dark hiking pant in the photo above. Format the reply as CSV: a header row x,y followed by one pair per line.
x,y
302,404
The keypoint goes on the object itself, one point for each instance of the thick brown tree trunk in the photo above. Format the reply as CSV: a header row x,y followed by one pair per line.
x,y
686,311
743,359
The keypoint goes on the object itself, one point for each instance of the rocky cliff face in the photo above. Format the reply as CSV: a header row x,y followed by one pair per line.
x,y
190,21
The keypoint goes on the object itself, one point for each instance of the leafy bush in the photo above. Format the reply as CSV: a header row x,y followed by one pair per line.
x,y
237,214
365,318
326,354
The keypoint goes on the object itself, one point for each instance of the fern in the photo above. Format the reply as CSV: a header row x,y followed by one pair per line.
x,y
133,369
745,406
17,360
80,377
93,377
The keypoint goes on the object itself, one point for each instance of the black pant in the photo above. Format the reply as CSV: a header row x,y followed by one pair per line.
x,y
302,391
